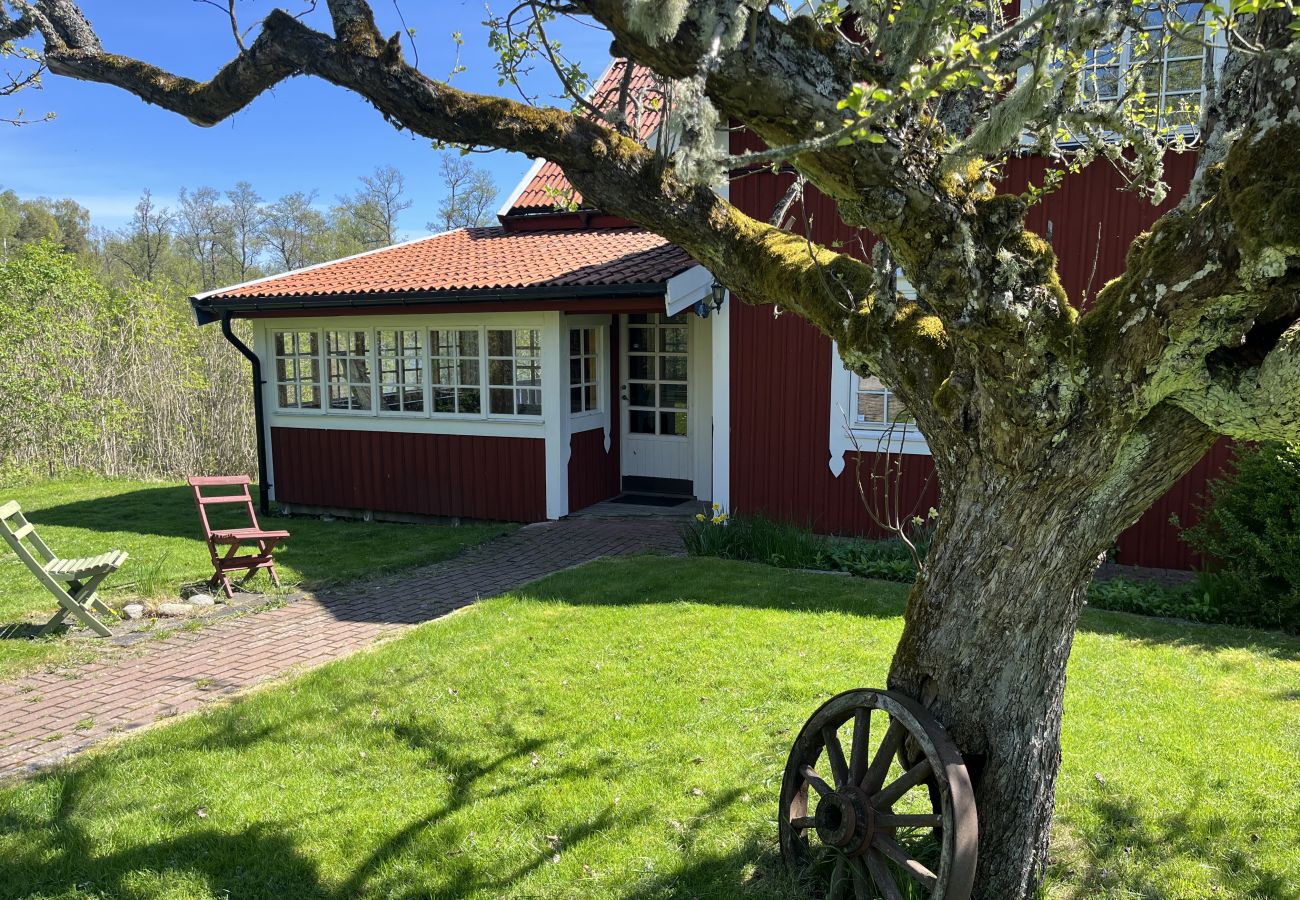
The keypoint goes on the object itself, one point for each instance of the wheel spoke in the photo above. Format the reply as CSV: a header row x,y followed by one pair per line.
x,y
811,776
883,878
914,870
923,820
839,877
905,782
835,756
861,879
803,822
875,776
859,750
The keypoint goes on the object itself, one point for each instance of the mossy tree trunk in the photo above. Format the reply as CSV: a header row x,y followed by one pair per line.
x,y
990,623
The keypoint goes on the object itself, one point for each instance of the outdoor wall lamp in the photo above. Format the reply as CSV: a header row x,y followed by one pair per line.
x,y
712,303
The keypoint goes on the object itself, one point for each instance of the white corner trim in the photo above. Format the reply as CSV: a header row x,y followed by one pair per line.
x,y
686,289
265,278
845,438
720,323
555,358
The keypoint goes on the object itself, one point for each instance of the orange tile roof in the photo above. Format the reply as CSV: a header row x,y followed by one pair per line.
x,y
549,187
483,259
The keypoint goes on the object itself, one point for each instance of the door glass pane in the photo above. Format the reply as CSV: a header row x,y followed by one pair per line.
x,y
641,394
672,396
672,423
641,421
672,368
640,367
672,340
639,339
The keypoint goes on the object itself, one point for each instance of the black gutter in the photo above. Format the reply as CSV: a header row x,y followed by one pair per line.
x,y
210,309
263,485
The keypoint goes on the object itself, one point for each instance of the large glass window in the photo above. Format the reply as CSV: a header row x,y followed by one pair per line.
x,y
657,374
1165,60
297,369
584,370
457,371
401,370
514,372
347,368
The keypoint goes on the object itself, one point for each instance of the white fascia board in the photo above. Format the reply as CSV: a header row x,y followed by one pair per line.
x,y
266,278
686,289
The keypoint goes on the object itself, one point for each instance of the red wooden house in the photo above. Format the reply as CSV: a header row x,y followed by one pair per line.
x,y
525,371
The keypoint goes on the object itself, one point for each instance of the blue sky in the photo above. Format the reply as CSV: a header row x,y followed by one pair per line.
x,y
106,146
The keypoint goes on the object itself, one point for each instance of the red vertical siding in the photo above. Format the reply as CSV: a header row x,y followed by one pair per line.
x,y
780,405
593,472
499,478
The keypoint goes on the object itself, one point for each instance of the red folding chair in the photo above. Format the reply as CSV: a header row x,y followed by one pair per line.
x,y
235,538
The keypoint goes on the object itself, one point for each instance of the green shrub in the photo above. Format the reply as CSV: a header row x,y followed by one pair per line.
x,y
755,539
887,560
1250,529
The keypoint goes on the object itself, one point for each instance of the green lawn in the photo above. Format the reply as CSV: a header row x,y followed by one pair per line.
x,y
619,731
157,523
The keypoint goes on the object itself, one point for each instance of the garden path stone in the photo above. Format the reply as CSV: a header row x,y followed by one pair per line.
x,y
186,669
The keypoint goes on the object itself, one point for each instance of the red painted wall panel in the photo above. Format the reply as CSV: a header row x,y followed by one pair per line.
x,y
780,405
497,478
593,472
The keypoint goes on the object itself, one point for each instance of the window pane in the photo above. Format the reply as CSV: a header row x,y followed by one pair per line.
x,y
589,370
444,400
500,371
672,396
502,401
641,422
530,403
672,423
469,371
871,407
468,342
672,340
672,368
641,394
309,397
593,396
575,342
471,401
575,371
500,343
575,400
288,395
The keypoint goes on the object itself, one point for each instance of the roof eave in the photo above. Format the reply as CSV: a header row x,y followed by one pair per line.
x,y
209,308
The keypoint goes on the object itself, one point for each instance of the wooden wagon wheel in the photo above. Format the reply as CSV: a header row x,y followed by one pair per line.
x,y
893,824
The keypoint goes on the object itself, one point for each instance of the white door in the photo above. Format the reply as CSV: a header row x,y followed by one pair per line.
x,y
656,411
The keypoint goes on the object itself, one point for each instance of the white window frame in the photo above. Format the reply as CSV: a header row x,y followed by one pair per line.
x,y
514,386
428,358
326,381
847,434
597,353
1217,50
297,357
425,372
458,357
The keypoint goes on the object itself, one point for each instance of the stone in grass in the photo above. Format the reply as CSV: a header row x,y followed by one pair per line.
x,y
133,610
175,609
202,600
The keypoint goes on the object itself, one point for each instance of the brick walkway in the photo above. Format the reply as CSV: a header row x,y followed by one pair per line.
x,y
47,716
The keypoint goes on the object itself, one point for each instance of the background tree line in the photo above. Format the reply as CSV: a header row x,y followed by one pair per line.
x,y
102,368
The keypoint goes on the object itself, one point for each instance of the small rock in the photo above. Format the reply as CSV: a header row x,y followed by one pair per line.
x,y
133,610
202,600
174,609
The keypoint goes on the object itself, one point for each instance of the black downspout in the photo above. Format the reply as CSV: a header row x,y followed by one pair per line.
x,y
263,485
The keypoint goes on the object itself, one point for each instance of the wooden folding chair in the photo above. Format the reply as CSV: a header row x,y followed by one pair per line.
x,y
82,577
235,538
